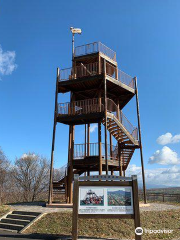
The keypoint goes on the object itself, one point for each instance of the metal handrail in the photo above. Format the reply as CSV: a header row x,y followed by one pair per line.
x,y
92,69
81,150
83,70
113,108
95,105
94,47
119,75
80,107
126,79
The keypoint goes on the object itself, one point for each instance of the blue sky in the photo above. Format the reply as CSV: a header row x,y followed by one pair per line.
x,y
36,39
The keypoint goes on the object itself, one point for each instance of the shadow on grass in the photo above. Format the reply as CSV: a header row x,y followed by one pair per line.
x,y
38,236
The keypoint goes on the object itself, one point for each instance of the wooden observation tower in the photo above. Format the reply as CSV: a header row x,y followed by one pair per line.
x,y
98,93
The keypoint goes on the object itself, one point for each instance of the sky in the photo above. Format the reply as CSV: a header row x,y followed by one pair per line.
x,y
35,39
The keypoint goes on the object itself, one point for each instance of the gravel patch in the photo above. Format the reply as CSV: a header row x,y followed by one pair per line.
x,y
43,209
158,207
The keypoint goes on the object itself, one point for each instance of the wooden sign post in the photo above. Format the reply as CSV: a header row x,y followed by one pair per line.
x,y
105,197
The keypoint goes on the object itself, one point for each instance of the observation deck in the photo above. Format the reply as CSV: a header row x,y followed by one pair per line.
x,y
90,50
89,78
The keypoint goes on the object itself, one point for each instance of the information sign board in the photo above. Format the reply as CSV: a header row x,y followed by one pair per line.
x,y
105,200
105,197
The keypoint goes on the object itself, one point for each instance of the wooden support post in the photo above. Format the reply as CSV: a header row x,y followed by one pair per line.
x,y
116,73
99,64
71,166
105,111
66,185
140,142
118,112
120,160
53,139
88,140
111,146
99,101
121,116
100,149
136,205
85,141
112,172
75,208
124,173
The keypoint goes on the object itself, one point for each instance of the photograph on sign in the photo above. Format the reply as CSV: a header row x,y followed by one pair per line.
x,y
105,200
119,197
92,197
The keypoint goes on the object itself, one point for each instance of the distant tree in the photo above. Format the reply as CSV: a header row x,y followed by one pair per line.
x,y
4,172
31,174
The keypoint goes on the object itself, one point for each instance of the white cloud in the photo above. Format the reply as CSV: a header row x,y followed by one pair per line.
x,y
134,169
168,177
168,138
93,127
164,156
171,170
25,155
7,62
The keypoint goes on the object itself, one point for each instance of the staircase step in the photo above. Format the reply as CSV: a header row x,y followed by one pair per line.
x,y
15,221
23,217
11,226
26,213
8,230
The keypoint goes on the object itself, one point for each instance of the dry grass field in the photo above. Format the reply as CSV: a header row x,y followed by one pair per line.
x,y
60,223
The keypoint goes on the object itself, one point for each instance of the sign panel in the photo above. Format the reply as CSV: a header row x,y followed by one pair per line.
x,y
105,200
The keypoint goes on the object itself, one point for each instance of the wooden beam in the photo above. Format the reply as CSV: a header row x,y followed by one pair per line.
x,y
111,146
140,141
53,138
85,140
88,140
71,166
105,110
120,160
100,148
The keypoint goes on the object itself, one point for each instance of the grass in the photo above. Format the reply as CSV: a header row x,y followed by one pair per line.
x,y
4,209
60,223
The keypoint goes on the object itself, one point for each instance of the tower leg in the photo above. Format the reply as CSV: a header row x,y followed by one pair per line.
x,y
88,139
71,166
53,141
120,160
105,116
100,150
85,138
140,142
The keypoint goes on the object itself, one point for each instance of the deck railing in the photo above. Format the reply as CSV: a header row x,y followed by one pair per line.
x,y
92,69
93,48
83,70
81,150
94,105
80,107
113,108
126,79
119,75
